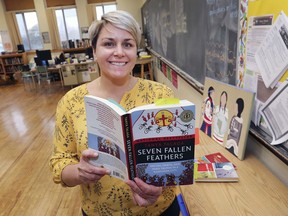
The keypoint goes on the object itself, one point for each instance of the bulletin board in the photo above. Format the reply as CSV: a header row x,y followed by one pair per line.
x,y
257,9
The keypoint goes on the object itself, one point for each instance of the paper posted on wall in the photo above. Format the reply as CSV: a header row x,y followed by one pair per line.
x,y
275,113
272,55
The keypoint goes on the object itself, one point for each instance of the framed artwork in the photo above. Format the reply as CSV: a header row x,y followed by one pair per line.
x,y
45,37
226,115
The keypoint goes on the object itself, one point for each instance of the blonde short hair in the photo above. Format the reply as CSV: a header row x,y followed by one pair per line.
x,y
119,19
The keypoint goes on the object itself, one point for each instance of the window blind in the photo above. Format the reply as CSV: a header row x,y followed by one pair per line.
x,y
99,1
57,3
16,5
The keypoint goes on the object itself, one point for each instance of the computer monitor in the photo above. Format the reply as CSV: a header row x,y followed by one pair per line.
x,y
20,48
89,52
37,61
43,55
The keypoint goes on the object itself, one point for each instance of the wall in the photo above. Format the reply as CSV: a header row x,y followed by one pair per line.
x,y
43,23
185,91
133,7
3,25
81,10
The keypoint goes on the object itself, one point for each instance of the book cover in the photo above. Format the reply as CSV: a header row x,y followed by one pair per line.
x,y
226,115
215,172
216,157
154,142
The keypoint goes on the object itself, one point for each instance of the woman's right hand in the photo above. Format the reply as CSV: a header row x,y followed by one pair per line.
x,y
83,172
87,172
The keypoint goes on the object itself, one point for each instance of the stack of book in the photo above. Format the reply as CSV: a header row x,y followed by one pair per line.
x,y
214,168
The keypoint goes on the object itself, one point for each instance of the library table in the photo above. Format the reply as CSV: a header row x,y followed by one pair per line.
x,y
258,191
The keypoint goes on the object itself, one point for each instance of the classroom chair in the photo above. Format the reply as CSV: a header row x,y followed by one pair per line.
x,y
44,76
28,79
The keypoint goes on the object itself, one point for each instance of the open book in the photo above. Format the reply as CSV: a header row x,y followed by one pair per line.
x,y
154,142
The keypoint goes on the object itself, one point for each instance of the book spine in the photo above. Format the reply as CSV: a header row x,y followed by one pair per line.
x,y
128,141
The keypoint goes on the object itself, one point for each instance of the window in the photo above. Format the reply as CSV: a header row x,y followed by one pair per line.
x,y
1,44
104,8
29,30
68,26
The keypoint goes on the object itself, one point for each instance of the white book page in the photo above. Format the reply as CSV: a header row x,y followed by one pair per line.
x,y
104,126
272,55
108,120
258,26
275,113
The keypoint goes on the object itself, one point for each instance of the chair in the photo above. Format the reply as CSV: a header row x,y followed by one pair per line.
x,y
29,78
144,64
43,75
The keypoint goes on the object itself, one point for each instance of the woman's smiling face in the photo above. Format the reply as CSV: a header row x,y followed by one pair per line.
x,y
116,52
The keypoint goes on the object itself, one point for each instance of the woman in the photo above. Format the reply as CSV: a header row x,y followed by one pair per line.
x,y
220,119
207,114
115,40
235,128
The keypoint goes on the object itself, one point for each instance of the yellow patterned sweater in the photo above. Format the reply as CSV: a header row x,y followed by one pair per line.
x,y
109,196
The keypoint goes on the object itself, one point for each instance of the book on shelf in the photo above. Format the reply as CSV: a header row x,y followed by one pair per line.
x,y
153,142
226,115
215,172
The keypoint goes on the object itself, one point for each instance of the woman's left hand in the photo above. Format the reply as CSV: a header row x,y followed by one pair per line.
x,y
144,194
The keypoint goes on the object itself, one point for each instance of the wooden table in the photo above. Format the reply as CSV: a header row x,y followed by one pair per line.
x,y
258,191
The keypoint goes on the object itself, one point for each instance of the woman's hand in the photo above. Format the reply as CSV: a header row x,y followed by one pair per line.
x,y
144,194
87,172
83,172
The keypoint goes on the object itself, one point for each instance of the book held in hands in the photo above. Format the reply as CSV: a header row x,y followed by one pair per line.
x,y
153,142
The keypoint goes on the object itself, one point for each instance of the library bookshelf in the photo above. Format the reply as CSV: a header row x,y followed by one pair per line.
x,y
11,63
